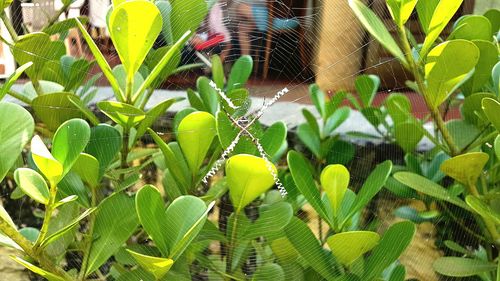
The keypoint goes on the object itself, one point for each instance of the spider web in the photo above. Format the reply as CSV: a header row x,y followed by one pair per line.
x,y
286,70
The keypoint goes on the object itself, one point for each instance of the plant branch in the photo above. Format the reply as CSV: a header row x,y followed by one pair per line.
x,y
8,26
18,96
89,237
49,210
57,15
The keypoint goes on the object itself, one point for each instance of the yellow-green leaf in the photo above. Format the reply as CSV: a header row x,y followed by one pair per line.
x,y
348,246
134,27
401,10
491,108
335,180
33,184
465,168
155,265
248,177
45,274
46,163
87,167
195,134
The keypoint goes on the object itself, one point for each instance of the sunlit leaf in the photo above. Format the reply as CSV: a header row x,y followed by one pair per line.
x,y
32,184
349,246
465,168
335,181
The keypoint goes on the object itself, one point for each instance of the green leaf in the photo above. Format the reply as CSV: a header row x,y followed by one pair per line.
x,y
491,108
472,27
465,168
37,48
336,119
45,274
89,115
399,107
423,185
273,139
318,99
69,141
55,108
488,56
401,10
64,25
120,74
124,114
377,29
493,15
269,272
16,129
462,267
87,167
46,163
441,15
208,95
472,110
134,27
248,177
101,61
218,71
482,208
311,140
443,80
185,219
240,72
373,184
272,219
311,121
32,184
304,241
497,147
159,267
335,181
393,243
67,227
425,10
186,16
349,246
195,135
104,144
151,212
151,116
367,85
13,78
408,135
115,221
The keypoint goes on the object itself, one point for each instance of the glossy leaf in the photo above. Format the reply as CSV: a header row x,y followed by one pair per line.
x,y
46,163
425,10
87,167
472,27
493,15
124,114
186,16
443,80
186,216
393,243
133,27
152,116
248,177
32,184
311,121
104,144
55,108
367,87
423,185
69,141
240,72
311,140
304,181
373,184
13,78
399,107
67,227
115,221
159,267
465,168
408,135
472,110
401,10
336,119
488,56
491,108
272,219
195,135
335,181
462,267
349,246
377,29
16,129
318,99
273,139
482,208
497,147
151,212
208,95
441,15
304,241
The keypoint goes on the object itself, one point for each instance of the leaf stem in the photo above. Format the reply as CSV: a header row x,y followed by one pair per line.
x,y
49,210
434,111
27,247
57,15
89,237
8,26
18,96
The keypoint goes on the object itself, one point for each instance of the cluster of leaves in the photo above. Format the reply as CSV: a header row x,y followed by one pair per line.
x,y
462,67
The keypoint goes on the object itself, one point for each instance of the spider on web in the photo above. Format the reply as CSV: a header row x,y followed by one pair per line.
x,y
243,124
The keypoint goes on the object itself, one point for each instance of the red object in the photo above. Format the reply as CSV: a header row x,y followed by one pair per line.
x,y
211,42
